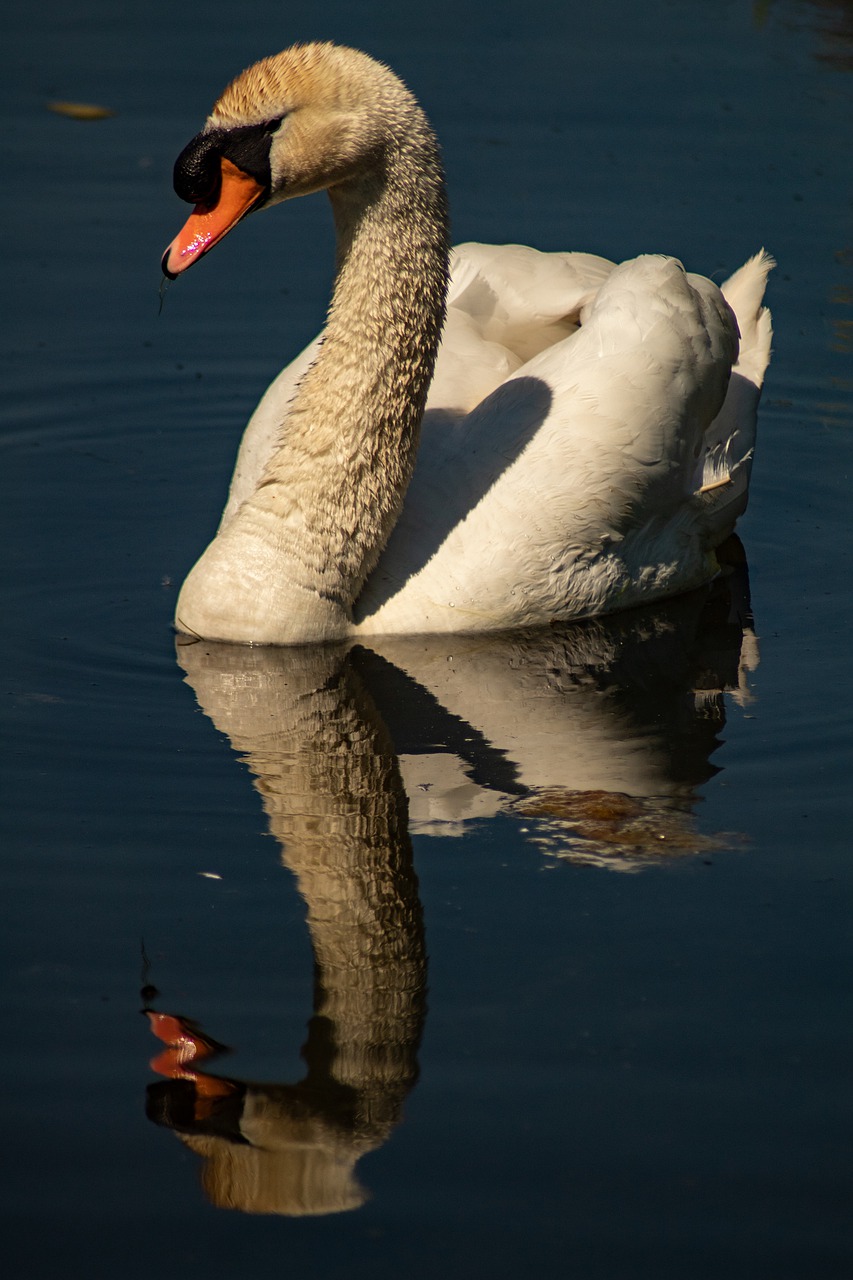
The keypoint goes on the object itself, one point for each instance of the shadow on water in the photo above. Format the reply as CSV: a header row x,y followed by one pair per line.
x,y
597,735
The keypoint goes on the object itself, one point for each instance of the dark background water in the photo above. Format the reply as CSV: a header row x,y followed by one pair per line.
x,y
619,1074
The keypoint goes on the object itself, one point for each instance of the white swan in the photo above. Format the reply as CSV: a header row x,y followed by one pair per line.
x,y
588,432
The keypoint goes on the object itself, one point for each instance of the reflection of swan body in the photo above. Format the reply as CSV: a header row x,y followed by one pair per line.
x,y
598,734
545,723
585,446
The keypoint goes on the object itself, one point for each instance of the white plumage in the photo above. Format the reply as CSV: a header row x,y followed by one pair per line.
x,y
588,432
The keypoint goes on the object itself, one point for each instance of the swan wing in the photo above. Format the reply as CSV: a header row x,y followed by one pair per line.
x,y
570,490
506,303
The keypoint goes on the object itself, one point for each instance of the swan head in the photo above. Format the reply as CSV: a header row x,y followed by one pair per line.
x,y
315,117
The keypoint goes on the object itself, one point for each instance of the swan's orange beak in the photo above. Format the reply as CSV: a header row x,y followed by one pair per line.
x,y
210,222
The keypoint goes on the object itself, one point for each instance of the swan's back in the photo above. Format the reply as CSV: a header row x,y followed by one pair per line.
x,y
605,454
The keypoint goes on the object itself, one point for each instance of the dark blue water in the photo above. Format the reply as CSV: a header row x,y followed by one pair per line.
x,y
587,1010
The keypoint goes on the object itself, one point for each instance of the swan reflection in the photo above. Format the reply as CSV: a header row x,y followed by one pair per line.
x,y
596,736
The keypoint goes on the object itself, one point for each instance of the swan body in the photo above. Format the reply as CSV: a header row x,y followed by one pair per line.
x,y
481,440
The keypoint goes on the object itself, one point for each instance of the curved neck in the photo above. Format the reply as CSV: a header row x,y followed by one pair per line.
x,y
348,449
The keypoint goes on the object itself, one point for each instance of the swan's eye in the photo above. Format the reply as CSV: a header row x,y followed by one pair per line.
x,y
249,148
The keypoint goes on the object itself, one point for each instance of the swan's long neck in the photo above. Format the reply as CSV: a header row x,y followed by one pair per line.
x,y
351,435
302,545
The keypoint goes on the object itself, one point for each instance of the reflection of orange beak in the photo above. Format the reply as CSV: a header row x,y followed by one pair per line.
x,y
210,223
187,1048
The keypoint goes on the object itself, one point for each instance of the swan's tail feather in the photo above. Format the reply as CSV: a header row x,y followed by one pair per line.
x,y
744,292
730,439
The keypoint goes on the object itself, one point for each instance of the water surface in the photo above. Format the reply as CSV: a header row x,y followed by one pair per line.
x,y
527,953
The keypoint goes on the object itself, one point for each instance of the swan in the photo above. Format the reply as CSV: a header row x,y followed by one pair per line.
x,y
486,439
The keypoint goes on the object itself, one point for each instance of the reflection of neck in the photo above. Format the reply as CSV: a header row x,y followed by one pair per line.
x,y
338,807
332,791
